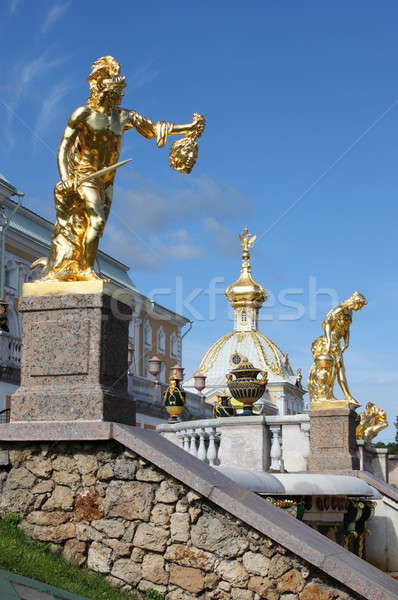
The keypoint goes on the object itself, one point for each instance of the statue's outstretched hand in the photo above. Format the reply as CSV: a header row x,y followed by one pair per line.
x,y
162,129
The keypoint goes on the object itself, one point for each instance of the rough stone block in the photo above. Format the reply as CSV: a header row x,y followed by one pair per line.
x,y
187,578
333,440
74,360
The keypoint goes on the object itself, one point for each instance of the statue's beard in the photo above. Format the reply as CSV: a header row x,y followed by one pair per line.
x,y
107,99
111,100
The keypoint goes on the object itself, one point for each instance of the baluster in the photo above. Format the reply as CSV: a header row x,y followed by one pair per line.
x,y
212,453
192,445
305,428
276,450
202,445
185,440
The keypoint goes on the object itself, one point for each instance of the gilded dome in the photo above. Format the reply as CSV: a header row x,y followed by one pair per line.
x,y
228,352
246,343
245,291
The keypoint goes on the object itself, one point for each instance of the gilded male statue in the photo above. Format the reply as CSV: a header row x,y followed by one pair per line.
x,y
92,143
328,352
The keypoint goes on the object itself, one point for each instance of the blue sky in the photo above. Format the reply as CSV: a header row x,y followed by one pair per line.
x,y
301,101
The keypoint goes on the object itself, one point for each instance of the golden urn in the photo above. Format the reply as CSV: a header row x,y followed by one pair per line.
x,y
174,400
245,386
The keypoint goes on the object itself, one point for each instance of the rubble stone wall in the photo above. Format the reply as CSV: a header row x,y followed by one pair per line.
x,y
106,508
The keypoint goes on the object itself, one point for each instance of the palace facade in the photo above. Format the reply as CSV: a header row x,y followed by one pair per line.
x,y
154,330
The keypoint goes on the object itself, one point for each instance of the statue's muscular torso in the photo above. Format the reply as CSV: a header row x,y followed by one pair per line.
x,y
339,320
95,140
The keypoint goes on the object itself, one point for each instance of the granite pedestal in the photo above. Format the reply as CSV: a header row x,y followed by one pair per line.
x,y
74,355
333,440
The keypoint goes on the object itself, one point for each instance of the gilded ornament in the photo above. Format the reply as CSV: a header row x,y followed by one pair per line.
x,y
222,407
373,420
299,378
87,162
174,400
328,352
246,292
245,387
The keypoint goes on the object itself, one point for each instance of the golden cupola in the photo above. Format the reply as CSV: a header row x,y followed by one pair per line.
x,y
245,342
245,292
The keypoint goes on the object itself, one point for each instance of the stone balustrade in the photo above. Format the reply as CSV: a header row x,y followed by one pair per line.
x,y
10,350
202,442
276,443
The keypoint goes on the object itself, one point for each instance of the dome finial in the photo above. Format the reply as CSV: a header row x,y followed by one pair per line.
x,y
245,291
246,241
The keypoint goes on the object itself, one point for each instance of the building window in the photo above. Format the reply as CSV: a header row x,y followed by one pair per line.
x,y
145,369
162,374
174,345
243,316
147,334
11,275
161,341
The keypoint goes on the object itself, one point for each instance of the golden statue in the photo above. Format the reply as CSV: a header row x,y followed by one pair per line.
x,y
87,162
328,352
373,420
247,240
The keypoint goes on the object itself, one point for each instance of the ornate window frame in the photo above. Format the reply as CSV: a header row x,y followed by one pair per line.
x,y
161,340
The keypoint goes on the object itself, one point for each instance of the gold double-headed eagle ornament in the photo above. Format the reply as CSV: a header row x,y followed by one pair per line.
x,y
87,163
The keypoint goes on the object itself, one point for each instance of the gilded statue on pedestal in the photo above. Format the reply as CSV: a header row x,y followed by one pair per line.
x,y
328,352
373,420
87,162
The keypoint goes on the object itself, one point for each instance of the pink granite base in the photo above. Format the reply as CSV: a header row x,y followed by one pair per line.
x,y
333,440
74,360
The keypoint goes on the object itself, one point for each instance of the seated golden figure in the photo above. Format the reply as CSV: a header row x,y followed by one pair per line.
x,y
87,161
328,352
373,420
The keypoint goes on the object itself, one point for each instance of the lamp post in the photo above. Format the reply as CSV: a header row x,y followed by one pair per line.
x,y
5,221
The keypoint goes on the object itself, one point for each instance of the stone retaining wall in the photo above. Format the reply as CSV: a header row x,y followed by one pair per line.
x,y
107,508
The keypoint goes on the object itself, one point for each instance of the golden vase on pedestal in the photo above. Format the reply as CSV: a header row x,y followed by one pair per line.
x,y
245,387
174,400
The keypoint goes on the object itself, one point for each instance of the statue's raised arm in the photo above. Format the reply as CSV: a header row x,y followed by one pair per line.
x,y
184,152
88,158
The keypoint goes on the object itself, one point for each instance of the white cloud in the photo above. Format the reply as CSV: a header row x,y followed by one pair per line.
x,y
13,5
49,108
54,14
146,208
225,238
19,85
178,245
143,75
27,72
149,253
129,248
148,227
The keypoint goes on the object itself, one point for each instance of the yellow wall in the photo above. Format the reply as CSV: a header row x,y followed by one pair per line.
x,y
165,357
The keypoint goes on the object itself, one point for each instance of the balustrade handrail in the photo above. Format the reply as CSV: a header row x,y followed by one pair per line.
x,y
10,349
231,421
203,438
